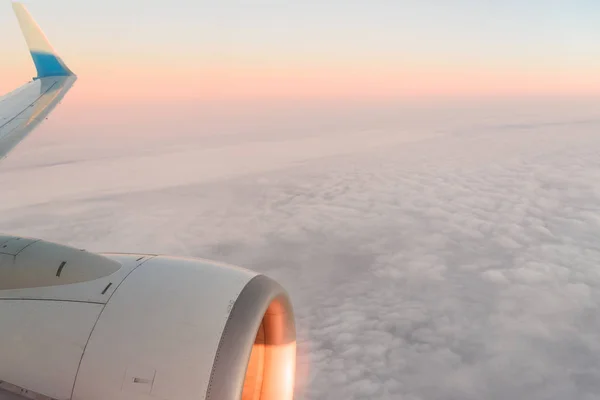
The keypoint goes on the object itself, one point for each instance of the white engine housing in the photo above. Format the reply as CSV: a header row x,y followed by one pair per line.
x,y
141,327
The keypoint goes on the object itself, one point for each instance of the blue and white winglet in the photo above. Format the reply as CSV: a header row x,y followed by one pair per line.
x,y
22,110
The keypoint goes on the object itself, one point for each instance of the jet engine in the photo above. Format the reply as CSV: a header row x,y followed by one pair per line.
x,y
83,326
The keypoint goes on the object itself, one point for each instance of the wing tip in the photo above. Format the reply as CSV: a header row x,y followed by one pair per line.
x,y
47,61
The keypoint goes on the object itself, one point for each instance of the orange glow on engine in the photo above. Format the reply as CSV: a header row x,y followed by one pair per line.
x,y
271,370
288,353
255,372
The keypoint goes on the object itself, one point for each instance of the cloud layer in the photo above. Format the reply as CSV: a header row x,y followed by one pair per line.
x,y
456,267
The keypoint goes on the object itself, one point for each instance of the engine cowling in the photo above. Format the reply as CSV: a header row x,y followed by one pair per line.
x,y
146,327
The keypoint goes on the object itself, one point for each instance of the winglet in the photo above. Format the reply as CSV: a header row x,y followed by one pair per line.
x,y
46,61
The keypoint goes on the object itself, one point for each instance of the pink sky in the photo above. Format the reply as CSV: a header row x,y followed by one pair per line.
x,y
123,52
132,82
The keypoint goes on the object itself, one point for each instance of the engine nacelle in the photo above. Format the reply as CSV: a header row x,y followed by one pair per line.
x,y
145,327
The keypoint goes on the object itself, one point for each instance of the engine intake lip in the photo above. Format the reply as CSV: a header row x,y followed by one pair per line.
x,y
262,316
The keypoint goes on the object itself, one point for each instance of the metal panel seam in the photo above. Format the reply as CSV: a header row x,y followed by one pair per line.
x,y
25,109
20,251
52,300
27,245
222,340
97,319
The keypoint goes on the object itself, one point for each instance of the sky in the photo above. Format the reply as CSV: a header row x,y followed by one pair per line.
x,y
149,51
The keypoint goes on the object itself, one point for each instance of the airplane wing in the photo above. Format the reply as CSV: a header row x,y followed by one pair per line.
x,y
26,107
